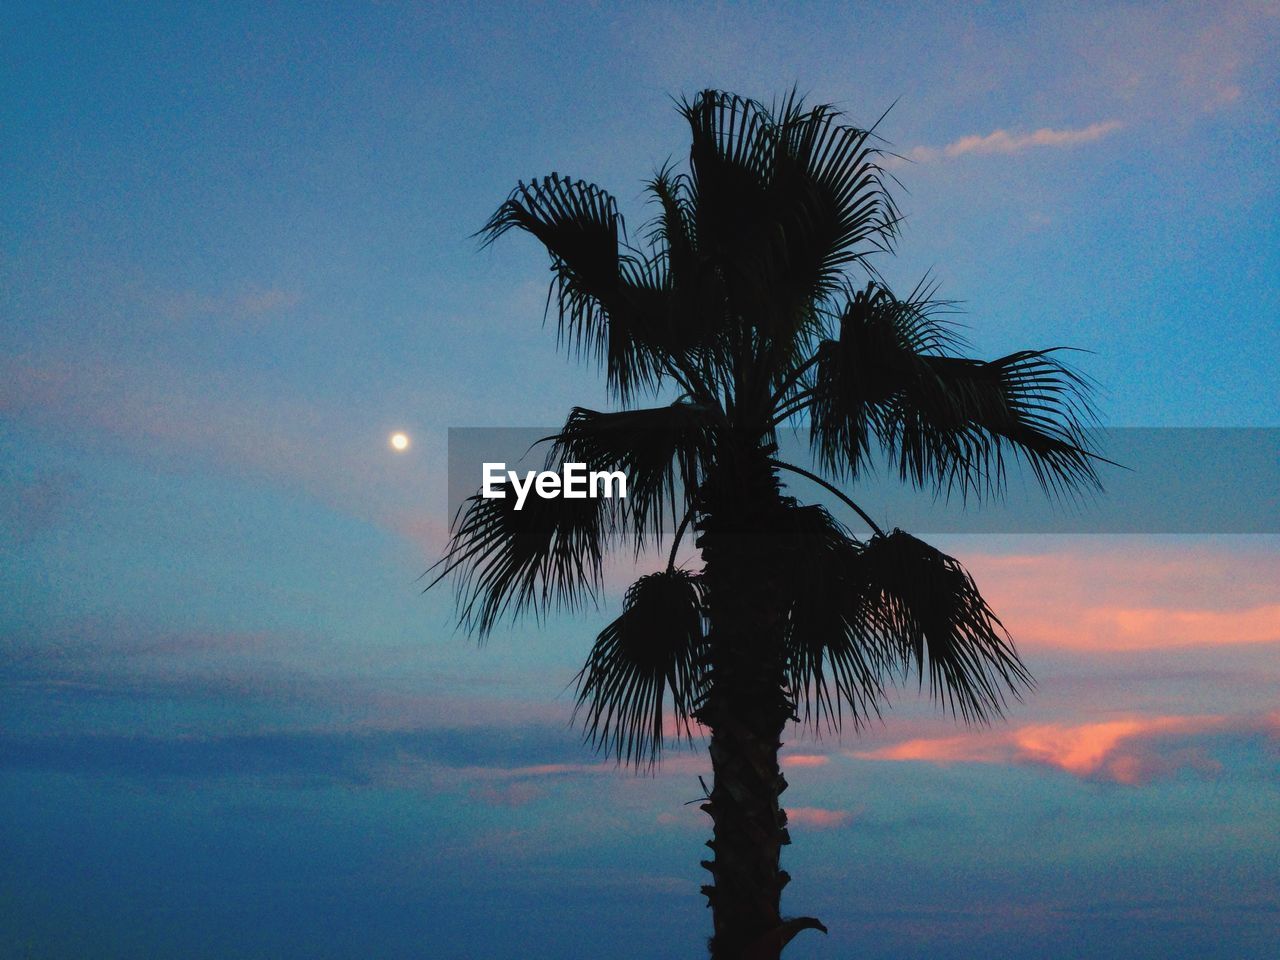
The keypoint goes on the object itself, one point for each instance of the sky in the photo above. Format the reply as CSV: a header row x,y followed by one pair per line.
x,y
238,254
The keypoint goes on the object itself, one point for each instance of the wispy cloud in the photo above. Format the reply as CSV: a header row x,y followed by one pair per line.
x,y
1004,141
819,818
805,760
518,794
1132,750
1109,599
250,304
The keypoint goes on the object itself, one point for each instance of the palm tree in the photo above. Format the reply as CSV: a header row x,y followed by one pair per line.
x,y
736,305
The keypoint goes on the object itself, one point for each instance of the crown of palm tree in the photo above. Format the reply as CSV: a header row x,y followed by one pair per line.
x,y
737,300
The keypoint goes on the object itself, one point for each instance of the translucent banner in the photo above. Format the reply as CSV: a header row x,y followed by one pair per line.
x,y
1177,480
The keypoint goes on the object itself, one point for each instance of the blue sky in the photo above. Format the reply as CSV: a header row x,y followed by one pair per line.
x,y
238,253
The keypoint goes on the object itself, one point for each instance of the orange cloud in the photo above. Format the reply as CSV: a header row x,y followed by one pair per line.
x,y
1104,749
1152,628
1181,627
959,749
805,760
1126,599
1131,751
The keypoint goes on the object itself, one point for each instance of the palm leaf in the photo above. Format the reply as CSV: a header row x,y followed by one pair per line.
x,y
673,231
927,608
610,299
654,648
505,561
694,288
834,655
661,450
944,420
861,613
959,419
785,200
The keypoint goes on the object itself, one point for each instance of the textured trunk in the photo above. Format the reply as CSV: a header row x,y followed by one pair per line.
x,y
749,831
746,709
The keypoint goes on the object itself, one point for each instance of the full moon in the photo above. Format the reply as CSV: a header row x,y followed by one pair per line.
x,y
400,442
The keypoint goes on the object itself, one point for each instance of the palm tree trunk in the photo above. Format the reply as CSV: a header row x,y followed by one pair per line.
x,y
749,832
746,708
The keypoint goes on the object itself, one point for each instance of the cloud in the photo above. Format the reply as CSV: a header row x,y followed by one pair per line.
x,y
489,763
1102,598
295,758
1213,64
108,674
819,818
250,304
537,770
1180,627
153,406
1132,750
518,794
805,760
1121,628
1002,141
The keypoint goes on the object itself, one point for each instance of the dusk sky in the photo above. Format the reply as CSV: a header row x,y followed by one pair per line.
x,y
238,255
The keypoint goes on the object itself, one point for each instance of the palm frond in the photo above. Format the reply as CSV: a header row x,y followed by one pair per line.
x,y
861,613
655,648
610,303
785,200
661,451
673,231
696,310
505,561
830,191
927,608
944,420
835,657
955,426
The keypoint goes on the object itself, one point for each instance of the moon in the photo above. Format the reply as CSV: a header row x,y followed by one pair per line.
x,y
400,442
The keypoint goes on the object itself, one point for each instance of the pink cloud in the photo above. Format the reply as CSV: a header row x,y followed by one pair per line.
x,y
1002,141
269,300
518,794
805,760
156,407
1212,66
687,817
1110,750
535,771
818,818
1131,750
1114,599
957,749
1151,628
427,531
29,507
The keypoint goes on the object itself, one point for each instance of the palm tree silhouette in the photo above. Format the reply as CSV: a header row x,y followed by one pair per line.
x,y
737,299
